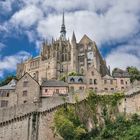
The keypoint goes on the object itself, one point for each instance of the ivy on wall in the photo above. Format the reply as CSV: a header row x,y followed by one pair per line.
x,y
71,123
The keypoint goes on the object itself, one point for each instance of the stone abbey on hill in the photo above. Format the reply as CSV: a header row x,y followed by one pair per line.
x,y
63,56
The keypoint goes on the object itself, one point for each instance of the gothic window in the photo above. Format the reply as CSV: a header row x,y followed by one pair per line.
x,y
63,57
92,73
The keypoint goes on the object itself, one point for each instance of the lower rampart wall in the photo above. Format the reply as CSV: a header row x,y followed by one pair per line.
x,y
35,122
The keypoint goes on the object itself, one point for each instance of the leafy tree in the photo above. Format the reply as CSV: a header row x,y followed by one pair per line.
x,y
134,73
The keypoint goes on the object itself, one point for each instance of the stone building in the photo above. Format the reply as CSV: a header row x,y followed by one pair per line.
x,y
62,56
7,94
77,84
123,79
27,90
54,87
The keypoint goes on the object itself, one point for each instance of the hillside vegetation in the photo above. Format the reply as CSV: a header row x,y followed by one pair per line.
x,y
70,122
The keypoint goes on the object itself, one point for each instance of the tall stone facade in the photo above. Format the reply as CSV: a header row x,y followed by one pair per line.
x,y
62,56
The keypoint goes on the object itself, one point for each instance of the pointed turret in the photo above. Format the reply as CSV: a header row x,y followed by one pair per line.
x,y
73,37
63,29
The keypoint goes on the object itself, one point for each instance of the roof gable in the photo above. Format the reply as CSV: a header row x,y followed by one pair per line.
x,y
85,40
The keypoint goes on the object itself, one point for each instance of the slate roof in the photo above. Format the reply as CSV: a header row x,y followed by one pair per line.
x,y
54,83
107,77
120,73
10,86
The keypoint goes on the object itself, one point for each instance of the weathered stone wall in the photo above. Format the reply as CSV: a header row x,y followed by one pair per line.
x,y
35,122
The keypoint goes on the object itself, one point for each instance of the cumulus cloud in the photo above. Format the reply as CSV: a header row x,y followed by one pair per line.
x,y
8,63
106,21
27,16
124,56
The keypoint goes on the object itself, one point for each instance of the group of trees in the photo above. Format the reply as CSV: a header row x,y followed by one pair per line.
x,y
134,73
70,124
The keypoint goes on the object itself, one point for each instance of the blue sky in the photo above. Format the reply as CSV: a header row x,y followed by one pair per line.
x,y
113,24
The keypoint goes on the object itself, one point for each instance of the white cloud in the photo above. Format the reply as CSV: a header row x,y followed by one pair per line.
x,y
124,56
27,16
8,63
6,6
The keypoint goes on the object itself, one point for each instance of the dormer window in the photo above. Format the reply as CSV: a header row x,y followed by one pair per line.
x,y
72,80
80,80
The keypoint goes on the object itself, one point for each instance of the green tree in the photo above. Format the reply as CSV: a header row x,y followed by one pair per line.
x,y
134,73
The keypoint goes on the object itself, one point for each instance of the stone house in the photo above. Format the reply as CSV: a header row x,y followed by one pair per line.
x,y
7,94
123,79
54,87
109,84
94,79
77,83
27,90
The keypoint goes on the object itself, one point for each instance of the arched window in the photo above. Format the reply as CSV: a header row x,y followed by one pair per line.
x,y
80,80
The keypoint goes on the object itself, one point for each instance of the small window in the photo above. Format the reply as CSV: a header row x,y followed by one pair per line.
x,y
8,94
90,81
72,89
81,88
122,88
112,89
96,88
24,101
105,81
25,83
92,73
25,93
122,82
4,103
46,90
106,89
57,91
95,81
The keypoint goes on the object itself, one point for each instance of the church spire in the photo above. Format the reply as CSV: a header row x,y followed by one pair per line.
x,y
63,29
73,37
